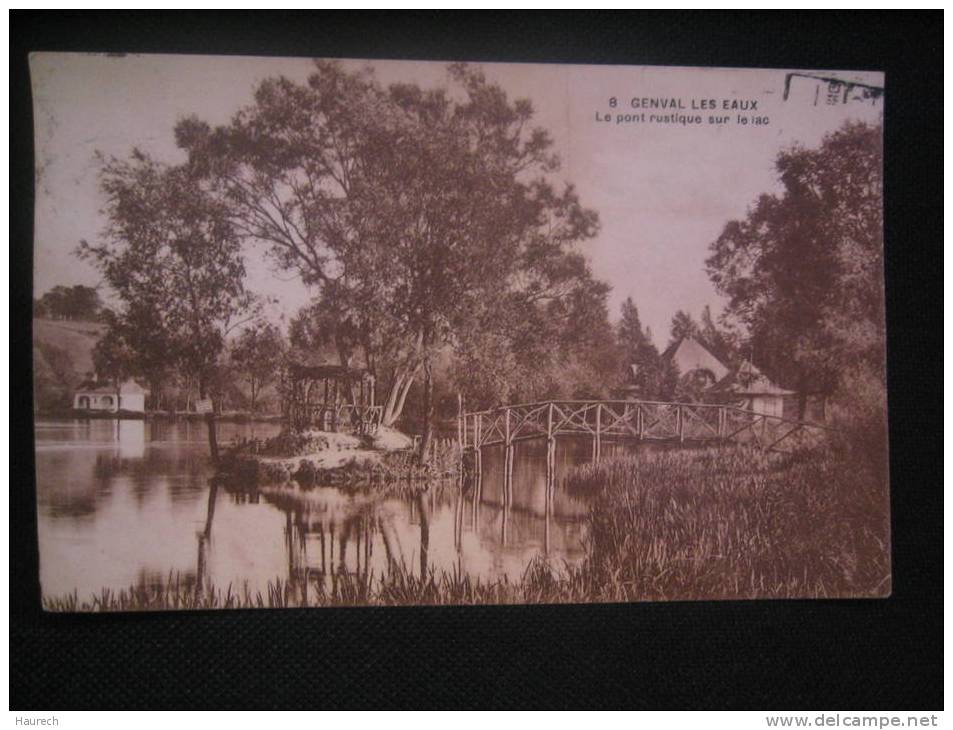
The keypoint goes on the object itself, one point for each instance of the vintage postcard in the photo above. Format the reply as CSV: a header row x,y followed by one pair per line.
x,y
315,332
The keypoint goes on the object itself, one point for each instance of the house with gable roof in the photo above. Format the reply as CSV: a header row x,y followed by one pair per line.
x,y
717,381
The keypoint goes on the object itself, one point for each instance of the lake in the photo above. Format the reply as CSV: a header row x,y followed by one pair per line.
x,y
129,503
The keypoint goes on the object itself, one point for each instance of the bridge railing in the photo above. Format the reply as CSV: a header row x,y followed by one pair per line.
x,y
641,420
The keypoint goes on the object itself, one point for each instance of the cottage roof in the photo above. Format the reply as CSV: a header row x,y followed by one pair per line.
x,y
101,387
748,380
690,354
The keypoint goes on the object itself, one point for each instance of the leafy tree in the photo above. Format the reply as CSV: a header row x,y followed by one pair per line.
x,y
257,355
143,329
69,302
654,377
137,344
169,250
317,330
683,325
420,216
803,271
528,352
720,340
634,340
113,358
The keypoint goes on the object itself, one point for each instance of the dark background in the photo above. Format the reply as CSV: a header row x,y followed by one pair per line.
x,y
758,655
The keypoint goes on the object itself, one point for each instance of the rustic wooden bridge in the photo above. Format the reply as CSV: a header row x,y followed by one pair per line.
x,y
599,420
686,423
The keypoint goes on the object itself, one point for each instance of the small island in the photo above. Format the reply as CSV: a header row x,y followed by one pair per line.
x,y
333,435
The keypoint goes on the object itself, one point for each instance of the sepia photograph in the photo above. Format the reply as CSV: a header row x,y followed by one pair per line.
x,y
342,332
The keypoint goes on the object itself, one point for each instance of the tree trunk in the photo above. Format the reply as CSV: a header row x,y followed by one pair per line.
x,y
394,405
403,397
428,411
801,399
390,404
210,424
155,394
205,536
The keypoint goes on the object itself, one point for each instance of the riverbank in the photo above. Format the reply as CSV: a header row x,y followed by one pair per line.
x,y
707,524
230,417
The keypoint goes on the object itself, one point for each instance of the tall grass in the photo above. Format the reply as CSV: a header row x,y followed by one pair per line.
x,y
399,586
677,525
737,523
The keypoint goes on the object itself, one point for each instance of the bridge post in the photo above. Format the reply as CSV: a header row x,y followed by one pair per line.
x,y
680,421
508,461
550,495
477,490
508,475
597,436
478,443
550,448
640,421
461,430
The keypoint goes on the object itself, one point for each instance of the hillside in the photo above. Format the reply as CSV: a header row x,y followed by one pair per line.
x,y
62,355
77,338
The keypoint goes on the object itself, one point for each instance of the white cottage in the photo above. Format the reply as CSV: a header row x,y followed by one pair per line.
x,y
102,397
716,381
754,391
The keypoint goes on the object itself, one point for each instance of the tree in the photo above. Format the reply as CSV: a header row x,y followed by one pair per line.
x,y
169,251
654,377
803,271
113,358
317,330
142,327
634,340
530,351
69,302
137,344
722,341
257,355
683,325
421,217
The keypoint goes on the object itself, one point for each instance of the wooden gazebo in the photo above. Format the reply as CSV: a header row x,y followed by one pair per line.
x,y
332,398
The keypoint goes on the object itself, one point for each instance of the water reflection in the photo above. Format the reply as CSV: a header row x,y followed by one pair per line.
x,y
131,506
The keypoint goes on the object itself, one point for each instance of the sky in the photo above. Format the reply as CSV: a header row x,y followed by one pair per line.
x,y
663,188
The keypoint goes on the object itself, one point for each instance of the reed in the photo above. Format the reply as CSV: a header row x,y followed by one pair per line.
x,y
668,525
738,523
